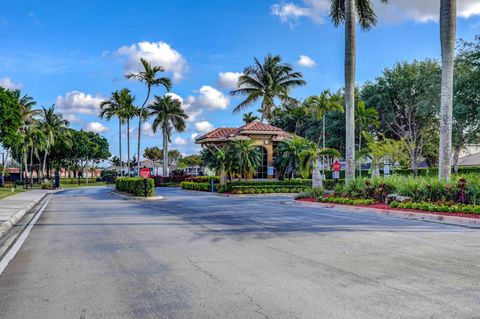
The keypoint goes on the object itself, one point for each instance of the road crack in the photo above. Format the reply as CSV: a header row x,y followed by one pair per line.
x,y
259,309
199,268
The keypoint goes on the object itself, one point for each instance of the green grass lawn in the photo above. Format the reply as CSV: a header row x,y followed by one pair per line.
x,y
5,192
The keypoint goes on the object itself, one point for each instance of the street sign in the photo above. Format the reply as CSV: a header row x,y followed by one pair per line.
x,y
336,174
386,169
337,166
145,172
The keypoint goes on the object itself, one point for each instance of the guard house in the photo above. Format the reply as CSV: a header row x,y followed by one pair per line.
x,y
264,135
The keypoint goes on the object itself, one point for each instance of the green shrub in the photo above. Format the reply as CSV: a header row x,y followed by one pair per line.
x,y
202,179
83,180
203,187
47,185
439,207
135,186
345,200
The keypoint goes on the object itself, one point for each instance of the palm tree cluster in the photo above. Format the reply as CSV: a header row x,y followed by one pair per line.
x,y
167,112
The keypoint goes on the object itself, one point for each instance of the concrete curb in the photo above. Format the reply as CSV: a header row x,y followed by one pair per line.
x,y
8,224
130,197
441,219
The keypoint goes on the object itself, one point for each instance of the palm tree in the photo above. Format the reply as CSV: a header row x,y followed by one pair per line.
x,y
309,160
378,149
249,117
54,127
169,115
33,141
27,113
288,154
365,117
148,76
112,108
248,156
268,81
448,17
127,111
345,11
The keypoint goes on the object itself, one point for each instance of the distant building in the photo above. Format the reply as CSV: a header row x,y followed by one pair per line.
x,y
264,135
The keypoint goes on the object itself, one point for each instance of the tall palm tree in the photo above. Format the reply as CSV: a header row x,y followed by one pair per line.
x,y
54,127
309,160
448,15
267,81
168,115
249,117
112,108
27,113
127,111
148,76
345,11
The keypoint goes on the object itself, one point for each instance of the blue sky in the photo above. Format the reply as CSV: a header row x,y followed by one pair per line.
x,y
74,53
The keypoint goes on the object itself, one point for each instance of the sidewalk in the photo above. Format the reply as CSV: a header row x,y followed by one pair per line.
x,y
14,207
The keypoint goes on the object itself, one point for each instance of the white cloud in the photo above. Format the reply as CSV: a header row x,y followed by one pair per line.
x,y
194,136
394,11
306,61
208,98
7,83
78,102
203,127
72,118
96,127
146,130
228,80
157,53
179,141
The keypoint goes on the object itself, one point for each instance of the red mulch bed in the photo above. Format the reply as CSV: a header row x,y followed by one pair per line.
x,y
385,206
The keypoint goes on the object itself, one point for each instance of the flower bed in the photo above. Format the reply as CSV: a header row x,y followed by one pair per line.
x,y
135,186
344,200
438,207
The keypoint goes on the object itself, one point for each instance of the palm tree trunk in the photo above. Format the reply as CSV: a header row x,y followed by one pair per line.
x,y
350,65
323,145
25,162
447,37
165,153
128,146
120,144
456,157
140,128
45,161
31,166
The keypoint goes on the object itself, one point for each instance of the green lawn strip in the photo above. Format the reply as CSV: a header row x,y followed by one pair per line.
x,y
84,185
5,192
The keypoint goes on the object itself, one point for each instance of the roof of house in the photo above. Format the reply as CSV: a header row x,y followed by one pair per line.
x,y
254,127
470,160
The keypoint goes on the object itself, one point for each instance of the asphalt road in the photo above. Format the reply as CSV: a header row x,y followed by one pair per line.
x,y
196,255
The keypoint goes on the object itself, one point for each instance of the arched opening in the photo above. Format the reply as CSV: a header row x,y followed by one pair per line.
x,y
262,171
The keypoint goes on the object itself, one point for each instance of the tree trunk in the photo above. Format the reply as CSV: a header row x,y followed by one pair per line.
x,y
31,166
375,170
45,161
323,145
350,65
456,156
447,40
317,177
128,147
4,163
165,153
140,128
120,144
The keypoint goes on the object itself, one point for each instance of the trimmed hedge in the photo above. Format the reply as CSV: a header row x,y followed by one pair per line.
x,y
344,200
203,187
83,180
202,179
268,189
438,207
135,186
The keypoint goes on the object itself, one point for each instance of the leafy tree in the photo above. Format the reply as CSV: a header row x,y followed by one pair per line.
x,y
288,155
407,99
379,149
149,77
10,122
54,127
174,157
366,119
267,81
168,116
466,108
190,160
155,154
448,19
309,162
249,117
346,11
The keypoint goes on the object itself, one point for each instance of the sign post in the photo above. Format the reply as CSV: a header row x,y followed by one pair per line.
x,y
145,173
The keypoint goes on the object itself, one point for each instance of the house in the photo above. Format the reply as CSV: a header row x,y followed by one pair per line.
x,y
264,135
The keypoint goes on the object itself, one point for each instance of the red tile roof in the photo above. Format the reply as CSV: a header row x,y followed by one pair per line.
x,y
255,126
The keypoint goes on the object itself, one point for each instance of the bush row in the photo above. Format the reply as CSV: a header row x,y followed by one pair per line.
x,y
171,184
202,179
345,200
267,190
438,207
204,187
135,185
82,180
161,180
